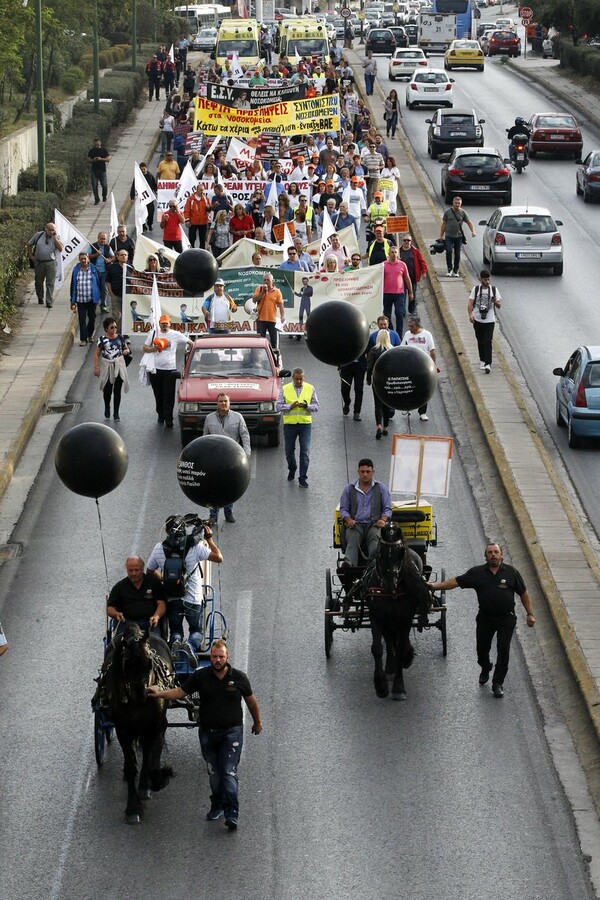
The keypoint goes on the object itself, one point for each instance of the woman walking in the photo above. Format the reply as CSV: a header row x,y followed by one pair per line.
x,y
219,238
382,412
391,113
110,366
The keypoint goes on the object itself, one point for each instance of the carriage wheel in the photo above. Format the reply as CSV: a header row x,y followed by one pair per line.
x,y
329,606
99,736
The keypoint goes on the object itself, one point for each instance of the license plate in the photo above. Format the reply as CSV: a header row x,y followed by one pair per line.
x,y
557,137
520,157
458,134
480,187
431,90
528,255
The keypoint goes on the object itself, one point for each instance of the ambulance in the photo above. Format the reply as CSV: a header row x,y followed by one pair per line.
x,y
241,36
303,37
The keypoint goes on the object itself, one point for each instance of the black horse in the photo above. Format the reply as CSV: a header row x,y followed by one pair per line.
x,y
394,591
134,661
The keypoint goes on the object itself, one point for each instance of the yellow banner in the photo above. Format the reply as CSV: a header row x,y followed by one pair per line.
x,y
288,117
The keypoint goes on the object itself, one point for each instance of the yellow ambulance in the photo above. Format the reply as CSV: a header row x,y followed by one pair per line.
x,y
241,36
303,36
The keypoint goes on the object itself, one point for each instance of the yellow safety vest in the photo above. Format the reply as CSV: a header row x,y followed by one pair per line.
x,y
297,416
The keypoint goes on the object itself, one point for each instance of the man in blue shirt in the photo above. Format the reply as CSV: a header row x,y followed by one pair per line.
x,y
292,263
365,507
383,322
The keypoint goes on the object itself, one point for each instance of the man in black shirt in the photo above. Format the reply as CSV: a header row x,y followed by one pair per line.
x,y
98,156
495,584
138,598
122,241
221,689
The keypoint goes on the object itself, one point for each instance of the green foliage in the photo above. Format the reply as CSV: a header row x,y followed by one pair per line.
x,y
72,79
581,58
38,205
56,180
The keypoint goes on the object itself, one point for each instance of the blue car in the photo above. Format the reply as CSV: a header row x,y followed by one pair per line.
x,y
588,177
578,395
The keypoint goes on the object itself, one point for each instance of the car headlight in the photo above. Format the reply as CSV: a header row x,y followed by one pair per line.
x,y
267,406
188,407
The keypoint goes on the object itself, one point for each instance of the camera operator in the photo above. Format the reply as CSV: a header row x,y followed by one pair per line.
x,y
483,302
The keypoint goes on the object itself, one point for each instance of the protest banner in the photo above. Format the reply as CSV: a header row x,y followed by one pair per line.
x,y
267,145
74,243
253,97
289,117
279,230
396,224
240,253
240,154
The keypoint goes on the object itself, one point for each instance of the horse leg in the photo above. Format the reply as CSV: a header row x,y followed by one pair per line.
x,y
146,743
134,809
405,653
379,677
159,775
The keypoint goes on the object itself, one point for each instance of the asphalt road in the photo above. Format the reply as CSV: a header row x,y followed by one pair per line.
x,y
452,794
543,317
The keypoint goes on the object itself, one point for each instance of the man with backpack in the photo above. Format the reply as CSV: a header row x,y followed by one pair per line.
x,y
484,300
177,561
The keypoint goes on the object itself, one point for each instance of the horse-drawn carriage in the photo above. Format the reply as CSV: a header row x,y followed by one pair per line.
x,y
388,593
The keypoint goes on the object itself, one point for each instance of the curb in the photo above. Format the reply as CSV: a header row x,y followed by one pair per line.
x,y
575,656
567,98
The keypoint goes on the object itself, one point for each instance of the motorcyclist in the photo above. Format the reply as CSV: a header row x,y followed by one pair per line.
x,y
520,127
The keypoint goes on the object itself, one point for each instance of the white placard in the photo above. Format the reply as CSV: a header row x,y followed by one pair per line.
x,y
421,465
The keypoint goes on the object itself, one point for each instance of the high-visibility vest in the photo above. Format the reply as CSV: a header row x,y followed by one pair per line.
x,y
297,416
386,248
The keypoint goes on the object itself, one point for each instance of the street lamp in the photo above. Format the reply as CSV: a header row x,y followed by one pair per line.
x,y
39,102
134,34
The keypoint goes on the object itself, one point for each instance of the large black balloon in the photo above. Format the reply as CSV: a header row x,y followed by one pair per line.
x,y
337,332
91,459
213,471
404,377
195,271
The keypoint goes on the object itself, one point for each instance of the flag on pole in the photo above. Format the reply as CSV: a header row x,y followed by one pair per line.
x,y
148,362
236,66
74,242
272,197
172,54
114,219
187,184
328,230
144,196
210,150
288,240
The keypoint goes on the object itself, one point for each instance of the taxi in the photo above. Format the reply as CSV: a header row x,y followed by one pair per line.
x,y
464,54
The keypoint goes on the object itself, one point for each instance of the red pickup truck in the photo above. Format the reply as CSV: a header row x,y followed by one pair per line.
x,y
243,366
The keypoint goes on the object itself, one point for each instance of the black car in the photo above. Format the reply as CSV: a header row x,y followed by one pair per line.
x,y
450,128
412,32
400,34
588,177
476,171
380,40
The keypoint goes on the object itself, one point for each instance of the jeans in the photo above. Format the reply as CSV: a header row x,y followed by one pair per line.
x,y
178,609
222,749
228,510
166,140
103,297
484,332
412,304
302,433
503,627
263,327
453,244
45,273
107,393
163,386
362,534
354,373
99,179
200,231
174,245
87,319
369,83
383,413
398,302
391,124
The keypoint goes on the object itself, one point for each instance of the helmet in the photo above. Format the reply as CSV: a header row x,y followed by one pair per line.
x,y
519,121
175,525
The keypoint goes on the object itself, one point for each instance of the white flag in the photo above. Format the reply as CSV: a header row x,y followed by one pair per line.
x,y
187,185
172,54
210,150
239,153
272,197
148,360
114,219
74,243
328,230
236,67
288,240
143,197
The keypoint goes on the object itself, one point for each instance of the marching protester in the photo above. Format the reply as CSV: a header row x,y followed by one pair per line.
x,y
85,297
110,366
164,346
3,641
151,207
196,214
171,223
231,423
484,300
419,337
297,401
42,248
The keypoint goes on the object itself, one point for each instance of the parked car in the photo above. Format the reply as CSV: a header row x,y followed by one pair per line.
x,y
522,236
399,32
429,87
453,128
578,395
404,62
555,132
205,40
588,177
245,366
463,54
504,42
380,40
476,172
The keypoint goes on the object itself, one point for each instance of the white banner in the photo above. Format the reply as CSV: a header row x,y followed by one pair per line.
x,y
74,243
240,154
143,197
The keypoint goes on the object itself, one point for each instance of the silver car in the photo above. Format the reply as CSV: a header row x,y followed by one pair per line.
x,y
522,236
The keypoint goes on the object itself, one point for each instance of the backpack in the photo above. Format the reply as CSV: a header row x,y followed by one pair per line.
x,y
478,293
175,575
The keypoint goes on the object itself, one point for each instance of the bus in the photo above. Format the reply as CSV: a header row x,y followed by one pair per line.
x,y
462,9
241,36
303,37
203,16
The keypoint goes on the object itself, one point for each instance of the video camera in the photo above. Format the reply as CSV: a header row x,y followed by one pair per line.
x,y
438,246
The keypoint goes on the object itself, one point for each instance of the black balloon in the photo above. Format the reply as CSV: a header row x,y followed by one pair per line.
x,y
337,332
404,377
195,271
213,471
91,459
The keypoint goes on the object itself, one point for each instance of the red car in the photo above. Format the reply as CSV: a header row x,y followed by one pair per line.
x,y
507,42
241,365
555,133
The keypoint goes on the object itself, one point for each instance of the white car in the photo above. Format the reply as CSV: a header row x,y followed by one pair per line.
x,y
522,236
503,23
430,87
404,62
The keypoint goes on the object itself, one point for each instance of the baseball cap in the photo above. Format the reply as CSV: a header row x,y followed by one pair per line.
x,y
219,281
378,194
164,320
320,182
299,159
330,181
354,178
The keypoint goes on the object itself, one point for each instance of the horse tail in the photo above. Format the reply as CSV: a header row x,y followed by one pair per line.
x,y
160,778
409,654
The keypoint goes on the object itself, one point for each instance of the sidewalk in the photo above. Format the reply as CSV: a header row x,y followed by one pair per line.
x,y
35,355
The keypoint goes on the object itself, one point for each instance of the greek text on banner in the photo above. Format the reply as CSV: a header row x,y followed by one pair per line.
x,y
288,117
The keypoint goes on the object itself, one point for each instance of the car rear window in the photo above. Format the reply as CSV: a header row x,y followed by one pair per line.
x,y
504,34
555,122
410,54
431,77
477,161
456,119
380,33
591,376
466,45
527,224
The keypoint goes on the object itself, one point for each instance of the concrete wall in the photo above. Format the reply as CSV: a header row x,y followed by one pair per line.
x,y
19,150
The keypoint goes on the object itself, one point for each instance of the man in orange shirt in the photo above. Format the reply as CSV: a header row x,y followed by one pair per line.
x,y
195,214
268,300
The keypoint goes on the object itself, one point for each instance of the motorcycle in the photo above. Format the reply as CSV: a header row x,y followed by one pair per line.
x,y
519,155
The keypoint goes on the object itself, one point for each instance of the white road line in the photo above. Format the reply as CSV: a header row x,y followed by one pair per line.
x,y
241,634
